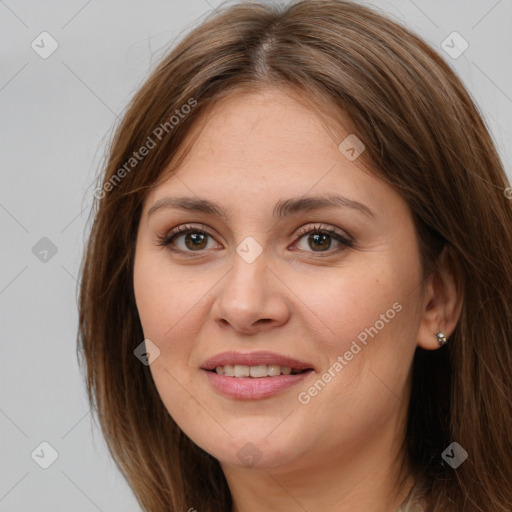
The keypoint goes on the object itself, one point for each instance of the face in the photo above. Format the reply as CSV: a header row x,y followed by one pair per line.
x,y
256,268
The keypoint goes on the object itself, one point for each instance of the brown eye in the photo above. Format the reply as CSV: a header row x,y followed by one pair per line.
x,y
320,240
186,239
195,240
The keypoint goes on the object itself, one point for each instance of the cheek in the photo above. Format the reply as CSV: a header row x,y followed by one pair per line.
x,y
166,303
345,302
166,300
368,326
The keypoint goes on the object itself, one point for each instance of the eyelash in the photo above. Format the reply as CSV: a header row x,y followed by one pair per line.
x,y
168,238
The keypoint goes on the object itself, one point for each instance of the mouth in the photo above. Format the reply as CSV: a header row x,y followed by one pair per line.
x,y
258,371
254,375
255,364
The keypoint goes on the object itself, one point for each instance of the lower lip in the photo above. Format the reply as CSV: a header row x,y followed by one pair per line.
x,y
253,388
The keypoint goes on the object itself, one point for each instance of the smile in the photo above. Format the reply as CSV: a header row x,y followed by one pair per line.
x,y
259,371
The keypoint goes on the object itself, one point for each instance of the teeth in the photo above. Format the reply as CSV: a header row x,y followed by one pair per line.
x,y
262,370
241,370
258,371
273,369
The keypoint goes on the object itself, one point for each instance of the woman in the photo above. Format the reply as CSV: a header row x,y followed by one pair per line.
x,y
296,293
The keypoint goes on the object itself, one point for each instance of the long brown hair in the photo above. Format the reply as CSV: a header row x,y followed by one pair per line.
x,y
423,134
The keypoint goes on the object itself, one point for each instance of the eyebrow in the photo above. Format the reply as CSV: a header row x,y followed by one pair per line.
x,y
282,208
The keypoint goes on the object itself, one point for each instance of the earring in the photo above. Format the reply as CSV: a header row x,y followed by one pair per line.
x,y
441,339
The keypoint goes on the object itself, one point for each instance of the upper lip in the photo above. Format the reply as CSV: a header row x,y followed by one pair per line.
x,y
254,359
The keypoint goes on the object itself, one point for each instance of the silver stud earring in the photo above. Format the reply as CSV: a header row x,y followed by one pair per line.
x,y
441,339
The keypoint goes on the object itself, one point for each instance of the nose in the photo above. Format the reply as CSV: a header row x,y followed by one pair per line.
x,y
250,298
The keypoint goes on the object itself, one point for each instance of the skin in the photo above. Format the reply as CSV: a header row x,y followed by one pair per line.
x,y
339,451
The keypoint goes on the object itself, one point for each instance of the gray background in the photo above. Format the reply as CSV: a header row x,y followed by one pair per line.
x,y
57,115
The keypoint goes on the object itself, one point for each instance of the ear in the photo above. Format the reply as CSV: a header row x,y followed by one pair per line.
x,y
442,300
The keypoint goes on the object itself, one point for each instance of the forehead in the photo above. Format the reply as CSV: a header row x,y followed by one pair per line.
x,y
278,120
257,147
267,126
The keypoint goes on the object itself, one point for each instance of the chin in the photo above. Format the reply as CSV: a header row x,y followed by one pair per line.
x,y
252,451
